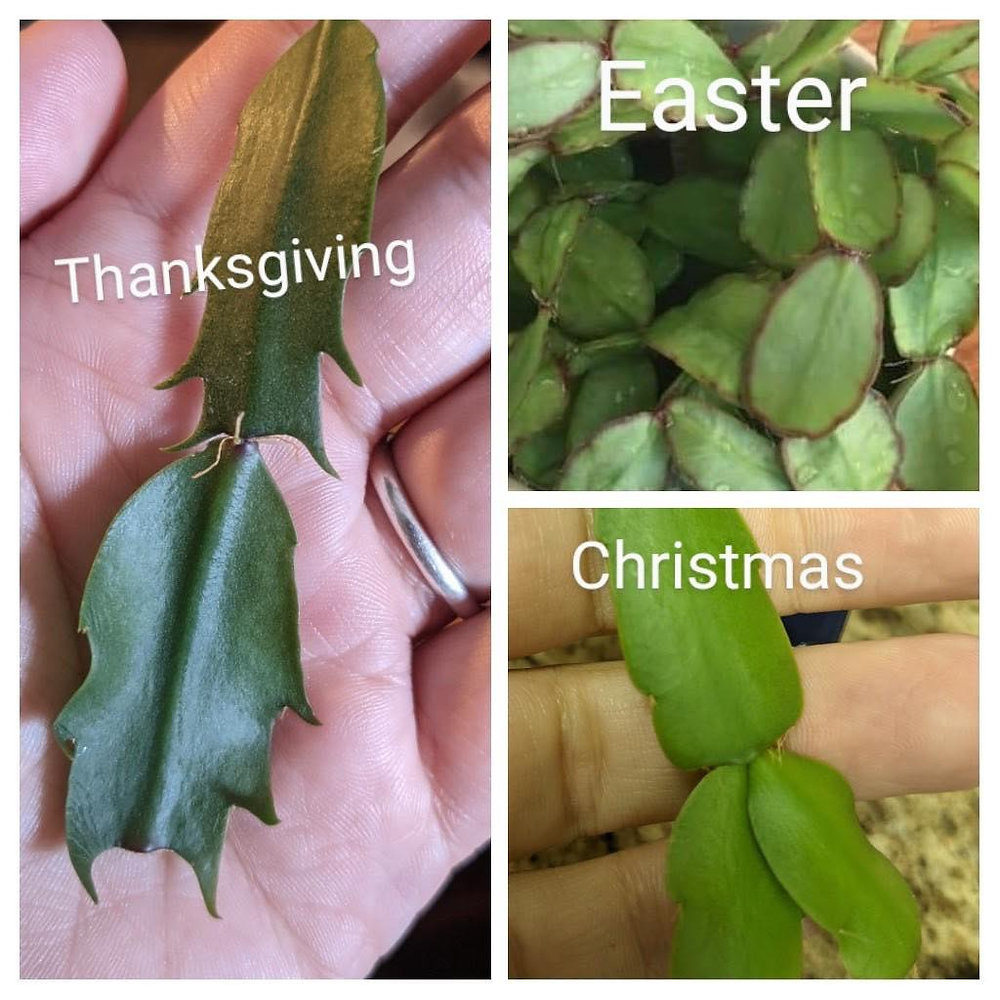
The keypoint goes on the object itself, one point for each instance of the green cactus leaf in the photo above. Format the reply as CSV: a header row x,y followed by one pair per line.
x,y
890,40
537,461
907,107
617,388
700,216
709,335
543,243
936,53
717,451
823,38
898,259
802,813
855,187
520,159
862,453
605,285
818,349
735,920
772,48
744,659
673,49
594,31
961,186
536,389
967,58
583,130
664,260
962,147
192,619
547,82
604,163
778,217
312,136
939,302
937,415
626,454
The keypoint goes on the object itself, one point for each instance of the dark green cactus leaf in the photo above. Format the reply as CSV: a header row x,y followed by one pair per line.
x,y
625,217
862,453
778,217
605,285
605,163
709,335
939,302
890,40
744,659
937,415
802,813
818,349
700,216
192,619
735,920
823,38
905,106
581,356
665,261
594,31
626,454
312,136
717,451
617,388
536,388
547,82
934,55
896,261
673,49
855,187
538,461
543,243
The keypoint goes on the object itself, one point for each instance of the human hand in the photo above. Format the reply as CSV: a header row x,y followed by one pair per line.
x,y
894,716
392,791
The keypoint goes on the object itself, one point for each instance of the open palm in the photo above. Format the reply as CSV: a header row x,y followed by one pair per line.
x,y
392,791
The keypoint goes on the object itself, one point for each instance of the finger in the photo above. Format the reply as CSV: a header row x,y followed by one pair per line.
x,y
169,162
451,692
909,556
608,918
72,96
895,716
443,458
412,343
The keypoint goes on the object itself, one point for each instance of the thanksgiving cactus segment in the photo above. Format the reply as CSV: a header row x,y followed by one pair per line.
x,y
735,921
308,153
190,610
717,663
803,818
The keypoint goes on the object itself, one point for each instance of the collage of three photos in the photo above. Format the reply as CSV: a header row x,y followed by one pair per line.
x,y
258,695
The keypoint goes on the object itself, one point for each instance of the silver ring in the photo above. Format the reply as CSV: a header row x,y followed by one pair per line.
x,y
433,566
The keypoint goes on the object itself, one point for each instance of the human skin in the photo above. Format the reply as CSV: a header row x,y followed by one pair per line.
x,y
895,716
392,791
